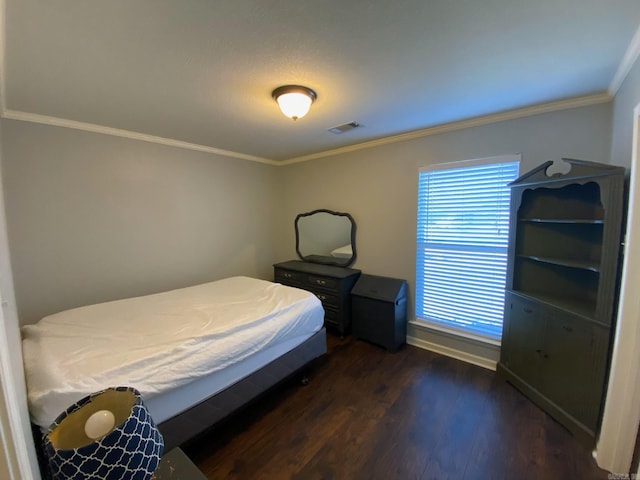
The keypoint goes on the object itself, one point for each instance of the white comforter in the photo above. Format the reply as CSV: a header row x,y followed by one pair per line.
x,y
158,342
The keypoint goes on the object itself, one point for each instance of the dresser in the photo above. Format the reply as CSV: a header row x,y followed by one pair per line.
x,y
332,285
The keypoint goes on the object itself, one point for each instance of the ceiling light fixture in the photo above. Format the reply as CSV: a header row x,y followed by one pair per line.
x,y
294,100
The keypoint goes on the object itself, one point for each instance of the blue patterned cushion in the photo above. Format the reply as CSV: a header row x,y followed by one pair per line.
x,y
131,451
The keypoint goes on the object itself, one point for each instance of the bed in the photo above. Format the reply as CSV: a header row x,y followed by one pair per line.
x,y
196,354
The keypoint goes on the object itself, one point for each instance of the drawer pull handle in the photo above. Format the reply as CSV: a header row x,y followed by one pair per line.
x,y
321,297
567,328
287,275
528,310
320,282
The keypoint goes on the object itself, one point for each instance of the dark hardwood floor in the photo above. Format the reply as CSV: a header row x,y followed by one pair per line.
x,y
370,414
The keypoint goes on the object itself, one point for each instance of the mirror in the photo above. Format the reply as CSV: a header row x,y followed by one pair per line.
x,y
326,237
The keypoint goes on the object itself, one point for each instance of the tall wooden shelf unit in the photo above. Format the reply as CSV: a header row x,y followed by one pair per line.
x,y
561,290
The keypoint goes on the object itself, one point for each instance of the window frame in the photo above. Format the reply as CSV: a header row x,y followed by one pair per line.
x,y
440,325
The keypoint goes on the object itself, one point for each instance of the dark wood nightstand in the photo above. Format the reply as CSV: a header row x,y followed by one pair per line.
x,y
175,465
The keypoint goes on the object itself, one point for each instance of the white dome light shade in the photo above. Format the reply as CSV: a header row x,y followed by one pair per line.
x,y
294,105
294,100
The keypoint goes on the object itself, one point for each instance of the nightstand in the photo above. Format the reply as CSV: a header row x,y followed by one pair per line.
x,y
379,311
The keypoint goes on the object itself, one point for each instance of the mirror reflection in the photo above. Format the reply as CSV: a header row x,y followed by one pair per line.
x,y
326,237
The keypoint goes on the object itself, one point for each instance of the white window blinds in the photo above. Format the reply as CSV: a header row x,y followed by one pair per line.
x,y
463,230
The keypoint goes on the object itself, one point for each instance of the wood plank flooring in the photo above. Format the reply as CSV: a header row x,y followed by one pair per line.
x,y
371,414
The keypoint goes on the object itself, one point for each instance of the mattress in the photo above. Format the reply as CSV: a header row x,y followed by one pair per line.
x,y
161,343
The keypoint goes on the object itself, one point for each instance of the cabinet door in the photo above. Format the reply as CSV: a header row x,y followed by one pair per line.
x,y
575,366
525,336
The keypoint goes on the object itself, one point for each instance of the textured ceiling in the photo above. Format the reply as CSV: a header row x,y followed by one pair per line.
x,y
202,71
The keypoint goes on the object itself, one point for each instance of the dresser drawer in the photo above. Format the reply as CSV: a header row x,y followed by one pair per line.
x,y
327,299
323,282
331,317
287,277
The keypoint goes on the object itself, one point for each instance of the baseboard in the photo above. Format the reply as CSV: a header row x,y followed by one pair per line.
x,y
449,351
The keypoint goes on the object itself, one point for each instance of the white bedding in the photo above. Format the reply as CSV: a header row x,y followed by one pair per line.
x,y
158,343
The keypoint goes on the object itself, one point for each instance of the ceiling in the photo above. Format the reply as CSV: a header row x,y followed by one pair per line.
x,y
202,71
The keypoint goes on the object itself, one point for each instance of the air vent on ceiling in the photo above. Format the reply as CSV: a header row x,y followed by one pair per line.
x,y
345,127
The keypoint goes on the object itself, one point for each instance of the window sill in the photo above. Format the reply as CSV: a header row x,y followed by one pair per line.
x,y
480,351
423,323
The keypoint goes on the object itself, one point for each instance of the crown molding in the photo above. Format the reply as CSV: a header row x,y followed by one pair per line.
x,y
629,59
90,127
117,132
448,127
631,55
566,104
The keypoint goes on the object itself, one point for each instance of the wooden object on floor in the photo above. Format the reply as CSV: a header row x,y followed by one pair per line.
x,y
561,289
332,285
369,414
175,465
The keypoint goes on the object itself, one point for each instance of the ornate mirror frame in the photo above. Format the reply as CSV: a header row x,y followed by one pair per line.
x,y
333,256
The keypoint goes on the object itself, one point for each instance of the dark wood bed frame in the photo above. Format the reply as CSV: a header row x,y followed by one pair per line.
x,y
202,416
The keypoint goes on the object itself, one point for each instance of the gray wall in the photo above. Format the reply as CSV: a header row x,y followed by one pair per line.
x,y
625,101
4,464
378,186
93,218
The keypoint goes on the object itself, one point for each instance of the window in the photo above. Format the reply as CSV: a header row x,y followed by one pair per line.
x,y
461,255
